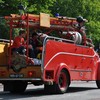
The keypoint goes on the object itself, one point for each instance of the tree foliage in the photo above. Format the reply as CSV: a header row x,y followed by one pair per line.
x,y
89,9
8,7
32,6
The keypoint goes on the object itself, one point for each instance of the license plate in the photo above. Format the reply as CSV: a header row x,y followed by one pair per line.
x,y
16,75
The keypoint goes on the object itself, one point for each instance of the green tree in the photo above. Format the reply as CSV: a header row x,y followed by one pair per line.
x,y
37,6
8,7
89,9
32,6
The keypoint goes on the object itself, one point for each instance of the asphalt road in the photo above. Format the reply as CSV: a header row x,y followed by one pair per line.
x,y
76,91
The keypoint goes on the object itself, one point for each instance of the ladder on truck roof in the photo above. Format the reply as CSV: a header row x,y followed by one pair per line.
x,y
42,20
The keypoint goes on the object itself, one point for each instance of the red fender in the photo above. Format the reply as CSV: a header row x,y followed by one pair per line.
x,y
60,67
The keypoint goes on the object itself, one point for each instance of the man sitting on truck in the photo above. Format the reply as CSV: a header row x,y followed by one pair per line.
x,y
19,43
81,28
19,47
36,43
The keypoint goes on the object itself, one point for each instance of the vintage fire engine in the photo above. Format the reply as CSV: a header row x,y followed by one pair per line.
x,y
66,55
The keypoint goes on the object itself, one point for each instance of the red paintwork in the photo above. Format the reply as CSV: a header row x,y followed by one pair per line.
x,y
80,61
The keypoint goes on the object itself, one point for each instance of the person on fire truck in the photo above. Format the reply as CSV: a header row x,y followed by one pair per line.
x,y
36,43
18,49
19,44
81,28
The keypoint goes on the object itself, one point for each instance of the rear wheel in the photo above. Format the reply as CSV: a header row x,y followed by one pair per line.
x,y
63,81
61,86
98,83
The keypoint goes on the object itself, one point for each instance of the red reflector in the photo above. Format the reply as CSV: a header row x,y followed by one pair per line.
x,y
2,73
30,73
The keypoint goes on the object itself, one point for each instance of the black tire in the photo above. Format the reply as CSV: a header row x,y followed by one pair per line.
x,y
63,82
18,87
62,85
98,83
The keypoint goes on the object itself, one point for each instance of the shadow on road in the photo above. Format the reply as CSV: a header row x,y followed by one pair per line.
x,y
38,92
79,89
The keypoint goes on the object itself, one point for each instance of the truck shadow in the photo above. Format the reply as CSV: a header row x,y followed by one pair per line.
x,y
79,89
39,92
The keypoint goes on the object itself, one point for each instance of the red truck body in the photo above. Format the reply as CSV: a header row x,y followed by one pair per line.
x,y
80,61
63,60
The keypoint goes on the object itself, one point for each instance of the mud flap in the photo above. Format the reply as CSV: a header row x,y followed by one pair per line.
x,y
7,86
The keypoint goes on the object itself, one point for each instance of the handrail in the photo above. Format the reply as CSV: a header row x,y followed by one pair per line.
x,y
44,43
4,40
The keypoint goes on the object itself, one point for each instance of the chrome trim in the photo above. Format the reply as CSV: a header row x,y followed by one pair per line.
x,y
80,70
44,47
66,53
26,79
59,53
4,40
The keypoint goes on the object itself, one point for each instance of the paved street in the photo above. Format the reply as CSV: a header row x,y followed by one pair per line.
x,y
76,91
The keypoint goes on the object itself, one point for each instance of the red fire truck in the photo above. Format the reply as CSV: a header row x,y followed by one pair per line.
x,y
67,55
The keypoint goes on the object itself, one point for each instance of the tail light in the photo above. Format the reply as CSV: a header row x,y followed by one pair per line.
x,y
2,73
31,73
